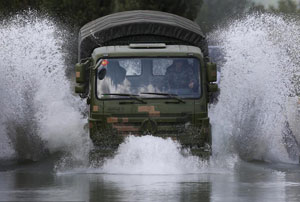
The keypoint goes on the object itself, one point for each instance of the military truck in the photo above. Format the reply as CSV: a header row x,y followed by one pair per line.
x,y
146,73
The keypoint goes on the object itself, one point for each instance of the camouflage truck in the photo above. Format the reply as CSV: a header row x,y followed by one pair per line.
x,y
146,72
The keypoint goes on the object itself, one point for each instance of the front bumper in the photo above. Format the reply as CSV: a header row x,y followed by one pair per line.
x,y
109,133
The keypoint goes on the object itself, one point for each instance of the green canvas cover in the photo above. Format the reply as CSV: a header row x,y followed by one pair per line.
x,y
140,26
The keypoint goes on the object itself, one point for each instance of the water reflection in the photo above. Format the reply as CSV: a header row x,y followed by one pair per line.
x,y
246,182
293,189
256,183
150,188
33,186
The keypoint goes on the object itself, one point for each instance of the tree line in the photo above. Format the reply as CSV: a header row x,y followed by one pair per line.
x,y
79,12
284,6
217,12
207,13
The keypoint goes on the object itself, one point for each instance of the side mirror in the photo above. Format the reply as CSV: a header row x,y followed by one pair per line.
x,y
102,73
80,73
211,72
82,78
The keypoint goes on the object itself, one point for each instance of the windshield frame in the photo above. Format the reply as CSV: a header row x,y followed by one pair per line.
x,y
150,98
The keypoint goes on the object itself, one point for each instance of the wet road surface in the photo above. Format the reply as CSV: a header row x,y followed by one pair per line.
x,y
247,181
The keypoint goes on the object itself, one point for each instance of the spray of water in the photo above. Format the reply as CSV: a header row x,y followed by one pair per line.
x,y
39,115
151,155
262,65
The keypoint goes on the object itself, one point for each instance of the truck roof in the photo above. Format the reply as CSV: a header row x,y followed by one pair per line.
x,y
139,26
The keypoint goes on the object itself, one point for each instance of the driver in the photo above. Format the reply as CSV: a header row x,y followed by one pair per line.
x,y
180,75
116,72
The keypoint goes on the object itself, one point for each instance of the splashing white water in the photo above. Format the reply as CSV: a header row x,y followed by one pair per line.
x,y
151,155
38,111
262,57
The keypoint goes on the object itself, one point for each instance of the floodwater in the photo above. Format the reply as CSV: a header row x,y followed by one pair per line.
x,y
255,123
246,182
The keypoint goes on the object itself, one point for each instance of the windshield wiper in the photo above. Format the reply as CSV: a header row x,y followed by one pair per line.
x,y
172,96
127,95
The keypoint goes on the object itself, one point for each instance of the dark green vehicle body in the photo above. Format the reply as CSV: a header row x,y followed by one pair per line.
x,y
113,116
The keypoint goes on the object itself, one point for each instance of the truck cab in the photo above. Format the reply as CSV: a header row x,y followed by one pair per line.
x,y
154,88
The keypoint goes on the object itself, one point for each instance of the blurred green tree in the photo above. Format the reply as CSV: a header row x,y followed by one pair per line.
x,y
79,12
217,12
185,8
286,6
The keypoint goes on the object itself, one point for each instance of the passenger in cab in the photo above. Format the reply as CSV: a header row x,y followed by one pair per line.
x,y
180,75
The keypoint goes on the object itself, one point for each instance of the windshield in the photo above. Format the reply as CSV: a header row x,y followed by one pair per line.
x,y
148,77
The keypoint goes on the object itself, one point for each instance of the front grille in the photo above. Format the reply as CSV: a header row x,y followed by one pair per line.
x,y
140,124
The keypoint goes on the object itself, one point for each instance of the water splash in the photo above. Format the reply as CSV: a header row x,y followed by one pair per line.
x,y
262,65
39,115
151,155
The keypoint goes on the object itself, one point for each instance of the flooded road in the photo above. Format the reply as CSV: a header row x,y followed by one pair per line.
x,y
245,182
149,168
